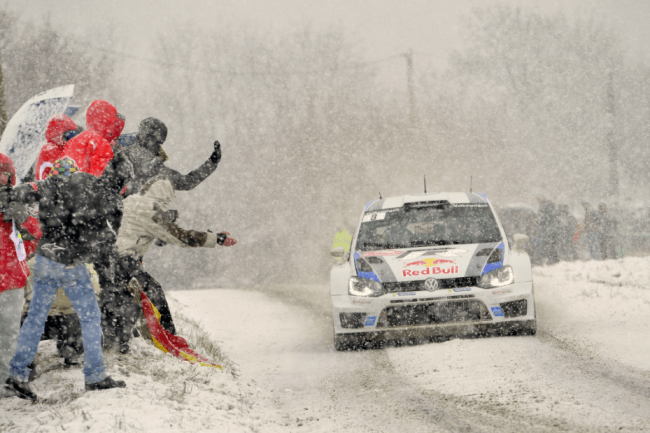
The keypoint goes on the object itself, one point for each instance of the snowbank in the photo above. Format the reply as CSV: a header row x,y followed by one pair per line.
x,y
163,393
601,306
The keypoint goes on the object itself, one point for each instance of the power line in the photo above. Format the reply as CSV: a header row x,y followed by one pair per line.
x,y
235,72
424,53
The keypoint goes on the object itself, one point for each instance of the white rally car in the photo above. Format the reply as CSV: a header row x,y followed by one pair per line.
x,y
430,265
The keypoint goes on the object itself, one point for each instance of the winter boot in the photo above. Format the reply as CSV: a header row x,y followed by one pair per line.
x,y
73,361
124,349
21,389
107,383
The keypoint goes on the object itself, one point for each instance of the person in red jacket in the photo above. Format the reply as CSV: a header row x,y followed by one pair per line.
x,y
16,244
92,149
59,130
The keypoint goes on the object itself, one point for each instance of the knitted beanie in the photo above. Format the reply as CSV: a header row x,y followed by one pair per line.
x,y
64,167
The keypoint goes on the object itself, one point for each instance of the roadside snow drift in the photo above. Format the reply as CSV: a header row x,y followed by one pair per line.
x,y
163,393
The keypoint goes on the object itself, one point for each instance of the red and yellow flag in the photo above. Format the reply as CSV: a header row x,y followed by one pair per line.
x,y
167,342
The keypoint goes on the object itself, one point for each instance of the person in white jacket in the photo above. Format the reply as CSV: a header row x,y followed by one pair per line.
x,y
144,221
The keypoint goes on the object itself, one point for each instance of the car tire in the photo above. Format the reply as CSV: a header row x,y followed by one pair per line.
x,y
439,338
531,329
341,342
527,328
358,341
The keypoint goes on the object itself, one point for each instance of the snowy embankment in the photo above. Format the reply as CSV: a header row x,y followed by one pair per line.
x,y
587,368
602,307
163,393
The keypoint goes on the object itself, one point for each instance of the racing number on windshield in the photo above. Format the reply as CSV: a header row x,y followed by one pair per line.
x,y
375,216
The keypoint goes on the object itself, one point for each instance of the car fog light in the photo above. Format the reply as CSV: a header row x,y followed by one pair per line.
x,y
365,287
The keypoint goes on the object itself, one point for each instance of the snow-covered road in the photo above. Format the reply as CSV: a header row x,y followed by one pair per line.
x,y
588,369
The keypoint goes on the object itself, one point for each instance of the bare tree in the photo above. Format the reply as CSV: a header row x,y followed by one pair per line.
x,y
35,59
529,92
301,125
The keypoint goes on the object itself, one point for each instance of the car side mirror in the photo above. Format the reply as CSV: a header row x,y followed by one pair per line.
x,y
337,252
520,242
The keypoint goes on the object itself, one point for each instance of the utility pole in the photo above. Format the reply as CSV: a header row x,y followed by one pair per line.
x,y
410,85
612,149
3,102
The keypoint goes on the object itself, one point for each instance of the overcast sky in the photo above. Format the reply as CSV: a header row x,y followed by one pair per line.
x,y
385,27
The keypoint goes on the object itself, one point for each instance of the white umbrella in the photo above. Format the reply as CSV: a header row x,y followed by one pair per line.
x,y
25,133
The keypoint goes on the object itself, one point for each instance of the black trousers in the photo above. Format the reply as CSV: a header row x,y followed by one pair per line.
x,y
119,309
156,295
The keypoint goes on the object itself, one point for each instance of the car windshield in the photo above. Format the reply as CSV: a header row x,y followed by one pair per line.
x,y
410,226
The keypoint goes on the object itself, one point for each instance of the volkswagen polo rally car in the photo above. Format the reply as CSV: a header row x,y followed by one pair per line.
x,y
430,265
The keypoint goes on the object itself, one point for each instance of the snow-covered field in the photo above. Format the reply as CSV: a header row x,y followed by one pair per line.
x,y
588,369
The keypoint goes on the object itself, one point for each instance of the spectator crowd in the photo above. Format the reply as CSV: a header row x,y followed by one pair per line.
x,y
73,236
555,234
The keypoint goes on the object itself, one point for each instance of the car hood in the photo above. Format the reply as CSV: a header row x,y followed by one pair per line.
x,y
413,264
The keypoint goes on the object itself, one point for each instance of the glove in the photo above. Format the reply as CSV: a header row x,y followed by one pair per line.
x,y
224,240
17,212
172,215
5,191
216,155
134,289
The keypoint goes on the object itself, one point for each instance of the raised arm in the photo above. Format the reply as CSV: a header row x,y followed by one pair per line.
x,y
194,178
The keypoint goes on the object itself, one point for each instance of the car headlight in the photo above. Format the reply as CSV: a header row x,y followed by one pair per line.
x,y
364,287
497,278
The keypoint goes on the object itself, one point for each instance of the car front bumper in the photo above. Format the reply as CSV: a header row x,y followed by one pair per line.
x,y
457,311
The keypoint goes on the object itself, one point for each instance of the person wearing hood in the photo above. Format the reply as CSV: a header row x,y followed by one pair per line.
x,y
80,215
148,158
146,220
60,129
92,149
14,250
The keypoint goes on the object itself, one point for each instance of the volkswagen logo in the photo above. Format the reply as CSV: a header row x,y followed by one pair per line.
x,y
431,284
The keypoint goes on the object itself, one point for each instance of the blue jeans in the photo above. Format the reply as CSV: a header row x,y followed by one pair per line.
x,y
48,277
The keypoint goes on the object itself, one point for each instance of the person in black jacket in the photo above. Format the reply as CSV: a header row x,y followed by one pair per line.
x,y
548,231
80,216
145,155
567,227
593,231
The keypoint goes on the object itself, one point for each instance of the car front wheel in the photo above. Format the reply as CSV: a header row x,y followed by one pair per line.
x,y
341,342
